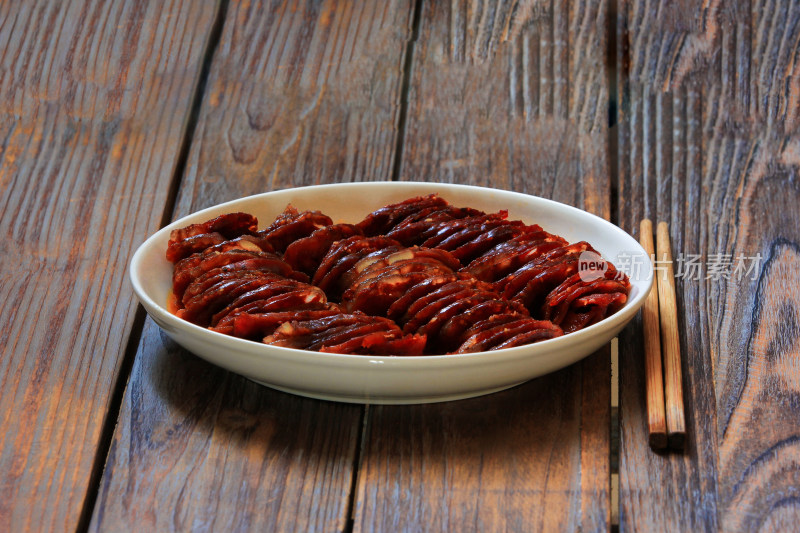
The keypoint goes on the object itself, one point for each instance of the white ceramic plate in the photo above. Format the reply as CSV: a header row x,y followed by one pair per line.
x,y
392,380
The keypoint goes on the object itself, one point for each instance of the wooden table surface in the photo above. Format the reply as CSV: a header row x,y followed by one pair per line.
x,y
119,116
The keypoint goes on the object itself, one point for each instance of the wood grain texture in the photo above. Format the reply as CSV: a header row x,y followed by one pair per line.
x,y
300,95
94,99
512,95
709,142
296,95
200,448
532,458
508,95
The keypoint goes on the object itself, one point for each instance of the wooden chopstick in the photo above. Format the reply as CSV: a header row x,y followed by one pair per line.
x,y
670,342
656,418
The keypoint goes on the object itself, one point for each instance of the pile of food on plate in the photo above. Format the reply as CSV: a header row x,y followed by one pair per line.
x,y
419,277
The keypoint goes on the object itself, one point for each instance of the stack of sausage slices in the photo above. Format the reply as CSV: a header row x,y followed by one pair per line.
x,y
419,277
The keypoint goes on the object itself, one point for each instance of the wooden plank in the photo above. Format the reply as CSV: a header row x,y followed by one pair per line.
x,y
515,98
197,447
300,96
709,142
296,95
94,99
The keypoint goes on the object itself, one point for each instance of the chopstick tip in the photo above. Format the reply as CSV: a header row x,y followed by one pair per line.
x,y
677,440
658,440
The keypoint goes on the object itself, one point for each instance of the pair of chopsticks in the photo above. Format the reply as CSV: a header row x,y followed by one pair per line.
x,y
665,414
